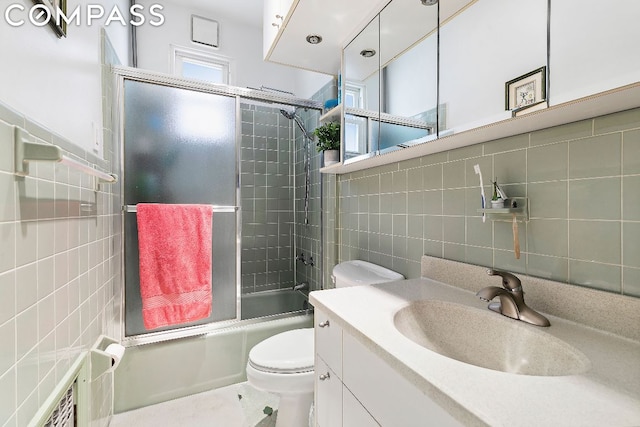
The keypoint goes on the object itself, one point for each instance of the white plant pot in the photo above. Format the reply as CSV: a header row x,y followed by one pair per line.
x,y
331,157
496,204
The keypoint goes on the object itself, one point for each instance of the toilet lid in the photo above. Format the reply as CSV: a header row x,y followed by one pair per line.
x,y
290,352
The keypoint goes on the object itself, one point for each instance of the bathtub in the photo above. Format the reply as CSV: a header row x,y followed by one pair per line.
x,y
166,370
269,303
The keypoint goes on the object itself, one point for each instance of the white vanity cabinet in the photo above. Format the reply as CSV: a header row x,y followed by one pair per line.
x,y
336,21
356,388
328,369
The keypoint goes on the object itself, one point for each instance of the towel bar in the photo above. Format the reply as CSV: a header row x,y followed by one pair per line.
x,y
27,151
216,208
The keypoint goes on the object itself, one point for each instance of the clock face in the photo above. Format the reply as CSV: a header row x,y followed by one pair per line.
x,y
526,94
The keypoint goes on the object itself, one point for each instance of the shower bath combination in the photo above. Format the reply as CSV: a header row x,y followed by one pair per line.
x,y
293,115
159,162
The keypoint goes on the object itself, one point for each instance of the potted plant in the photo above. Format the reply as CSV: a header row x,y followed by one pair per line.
x,y
329,142
497,201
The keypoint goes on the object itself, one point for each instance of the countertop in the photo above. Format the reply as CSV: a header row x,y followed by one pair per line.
x,y
607,394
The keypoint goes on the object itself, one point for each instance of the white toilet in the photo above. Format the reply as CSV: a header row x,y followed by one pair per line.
x,y
283,363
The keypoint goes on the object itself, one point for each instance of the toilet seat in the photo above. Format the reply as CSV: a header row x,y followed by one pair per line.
x,y
285,353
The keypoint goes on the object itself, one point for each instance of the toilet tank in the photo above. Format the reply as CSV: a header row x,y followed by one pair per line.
x,y
355,273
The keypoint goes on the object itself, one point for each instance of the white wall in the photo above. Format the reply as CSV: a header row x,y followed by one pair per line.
x,y
241,42
308,83
57,82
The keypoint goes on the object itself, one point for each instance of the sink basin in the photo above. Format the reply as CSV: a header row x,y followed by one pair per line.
x,y
488,340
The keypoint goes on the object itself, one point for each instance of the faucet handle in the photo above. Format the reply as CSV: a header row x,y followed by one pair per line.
x,y
509,281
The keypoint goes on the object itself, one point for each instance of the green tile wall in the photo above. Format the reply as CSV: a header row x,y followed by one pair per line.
x,y
582,180
266,189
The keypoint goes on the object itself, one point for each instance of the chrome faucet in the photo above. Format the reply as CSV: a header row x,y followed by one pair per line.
x,y
511,299
302,286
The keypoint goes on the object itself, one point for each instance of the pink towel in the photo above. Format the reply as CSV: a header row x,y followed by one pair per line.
x,y
175,263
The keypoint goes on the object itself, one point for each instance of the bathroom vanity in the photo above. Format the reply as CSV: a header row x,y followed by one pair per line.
x,y
355,387
382,358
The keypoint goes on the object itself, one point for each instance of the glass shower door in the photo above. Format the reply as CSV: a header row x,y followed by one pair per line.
x,y
180,147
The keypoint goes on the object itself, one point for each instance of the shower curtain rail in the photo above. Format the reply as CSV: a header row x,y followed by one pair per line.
x,y
216,208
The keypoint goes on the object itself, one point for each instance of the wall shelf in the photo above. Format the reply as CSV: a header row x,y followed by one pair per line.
x,y
521,210
332,115
612,101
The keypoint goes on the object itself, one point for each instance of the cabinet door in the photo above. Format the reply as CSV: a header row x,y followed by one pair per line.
x,y
596,54
390,398
353,413
328,396
329,342
270,31
275,12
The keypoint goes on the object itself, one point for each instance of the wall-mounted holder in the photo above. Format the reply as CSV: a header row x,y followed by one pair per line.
x,y
104,357
26,151
517,205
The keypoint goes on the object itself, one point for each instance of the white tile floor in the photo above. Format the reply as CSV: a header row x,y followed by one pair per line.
x,y
217,408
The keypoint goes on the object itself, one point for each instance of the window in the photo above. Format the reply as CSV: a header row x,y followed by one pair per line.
x,y
354,95
355,127
200,65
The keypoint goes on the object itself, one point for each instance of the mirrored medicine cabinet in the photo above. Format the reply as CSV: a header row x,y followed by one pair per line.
x,y
418,73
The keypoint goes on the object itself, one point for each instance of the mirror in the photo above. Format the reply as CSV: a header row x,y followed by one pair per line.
x,y
482,46
361,92
470,69
390,81
408,74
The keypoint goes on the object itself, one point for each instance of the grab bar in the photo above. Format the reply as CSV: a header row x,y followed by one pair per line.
x,y
216,208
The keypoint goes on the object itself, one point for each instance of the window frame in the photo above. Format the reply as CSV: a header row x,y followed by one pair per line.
x,y
179,54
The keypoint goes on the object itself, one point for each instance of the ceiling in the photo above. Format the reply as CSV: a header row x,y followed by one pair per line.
x,y
248,12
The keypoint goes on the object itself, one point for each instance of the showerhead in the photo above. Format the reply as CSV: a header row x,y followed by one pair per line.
x,y
288,114
429,2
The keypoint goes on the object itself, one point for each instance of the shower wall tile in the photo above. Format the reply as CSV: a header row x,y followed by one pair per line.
x,y
479,233
516,142
631,249
624,120
510,167
631,282
582,183
631,152
548,236
547,163
597,198
591,240
565,132
598,276
554,194
631,188
595,157
454,174
548,267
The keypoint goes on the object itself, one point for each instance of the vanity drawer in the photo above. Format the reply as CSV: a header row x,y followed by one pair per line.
x,y
328,396
328,341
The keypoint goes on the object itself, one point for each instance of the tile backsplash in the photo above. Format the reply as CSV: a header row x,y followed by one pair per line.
x,y
583,184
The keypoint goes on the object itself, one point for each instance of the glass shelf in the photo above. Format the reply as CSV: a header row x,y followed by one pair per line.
x,y
521,211
332,115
